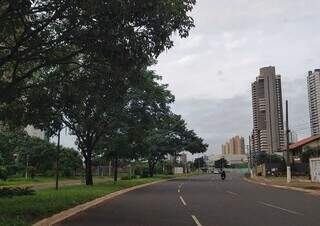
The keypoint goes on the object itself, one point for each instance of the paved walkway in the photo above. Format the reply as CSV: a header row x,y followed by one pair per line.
x,y
62,183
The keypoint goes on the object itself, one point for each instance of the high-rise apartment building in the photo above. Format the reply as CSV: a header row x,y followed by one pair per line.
x,y
235,146
314,100
268,130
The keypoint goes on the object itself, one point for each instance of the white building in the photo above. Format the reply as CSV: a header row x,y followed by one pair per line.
x,y
313,81
33,132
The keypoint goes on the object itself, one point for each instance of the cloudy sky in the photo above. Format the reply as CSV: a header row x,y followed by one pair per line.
x,y
210,72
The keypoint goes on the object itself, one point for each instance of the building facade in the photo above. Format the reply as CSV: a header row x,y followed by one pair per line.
x,y
313,81
235,146
268,132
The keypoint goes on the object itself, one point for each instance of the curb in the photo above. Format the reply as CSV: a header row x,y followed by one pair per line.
x,y
77,209
309,191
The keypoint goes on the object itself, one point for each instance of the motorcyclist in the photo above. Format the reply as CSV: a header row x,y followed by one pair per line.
x,y
223,175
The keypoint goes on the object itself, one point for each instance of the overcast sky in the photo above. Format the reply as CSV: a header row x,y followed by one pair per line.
x,y
210,72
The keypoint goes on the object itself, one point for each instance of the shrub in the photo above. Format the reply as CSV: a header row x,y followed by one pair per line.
x,y
16,191
128,177
3,173
145,173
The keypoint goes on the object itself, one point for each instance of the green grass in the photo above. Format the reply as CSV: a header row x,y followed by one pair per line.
x,y
19,181
22,181
25,210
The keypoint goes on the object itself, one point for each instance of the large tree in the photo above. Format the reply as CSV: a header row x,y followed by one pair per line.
x,y
99,50
38,36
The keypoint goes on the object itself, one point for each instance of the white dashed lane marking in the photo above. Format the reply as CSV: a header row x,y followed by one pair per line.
x,y
196,220
233,193
280,208
182,200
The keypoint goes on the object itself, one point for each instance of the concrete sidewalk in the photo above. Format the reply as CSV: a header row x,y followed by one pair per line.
x,y
298,184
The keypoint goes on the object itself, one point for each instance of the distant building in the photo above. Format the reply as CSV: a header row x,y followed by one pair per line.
x,y
30,130
33,132
313,81
183,158
293,137
268,129
235,146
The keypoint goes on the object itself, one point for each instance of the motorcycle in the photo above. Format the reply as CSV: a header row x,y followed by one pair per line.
x,y
223,175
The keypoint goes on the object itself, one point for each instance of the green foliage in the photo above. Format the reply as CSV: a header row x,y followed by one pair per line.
x,y
138,32
307,154
3,173
199,162
263,157
18,148
70,162
15,191
221,163
88,73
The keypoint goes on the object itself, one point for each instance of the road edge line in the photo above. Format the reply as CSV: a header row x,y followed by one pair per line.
x,y
79,208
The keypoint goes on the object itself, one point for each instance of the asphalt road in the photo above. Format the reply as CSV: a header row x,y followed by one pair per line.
x,y
207,201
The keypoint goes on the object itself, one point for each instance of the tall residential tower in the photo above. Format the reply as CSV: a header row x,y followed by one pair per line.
x,y
235,146
314,100
268,131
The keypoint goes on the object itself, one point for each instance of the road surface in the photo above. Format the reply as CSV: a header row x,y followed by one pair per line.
x,y
204,200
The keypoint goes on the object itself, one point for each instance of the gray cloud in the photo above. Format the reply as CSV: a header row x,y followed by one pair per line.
x,y
216,120
211,71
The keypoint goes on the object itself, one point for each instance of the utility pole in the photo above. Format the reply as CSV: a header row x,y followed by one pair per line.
x,y
250,157
287,142
57,160
27,166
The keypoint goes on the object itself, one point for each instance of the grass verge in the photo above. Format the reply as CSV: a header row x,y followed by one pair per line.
x,y
26,210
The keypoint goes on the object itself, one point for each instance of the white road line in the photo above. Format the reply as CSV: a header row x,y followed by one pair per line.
x,y
196,220
182,200
179,190
233,193
280,208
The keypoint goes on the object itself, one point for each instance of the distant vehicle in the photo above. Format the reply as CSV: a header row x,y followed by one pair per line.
x,y
217,171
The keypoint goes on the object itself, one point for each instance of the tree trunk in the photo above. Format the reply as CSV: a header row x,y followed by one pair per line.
x,y
151,168
115,176
88,163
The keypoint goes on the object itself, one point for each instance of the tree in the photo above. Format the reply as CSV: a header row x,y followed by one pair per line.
x,y
263,157
307,154
101,49
221,163
171,137
38,36
21,151
199,162
70,162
